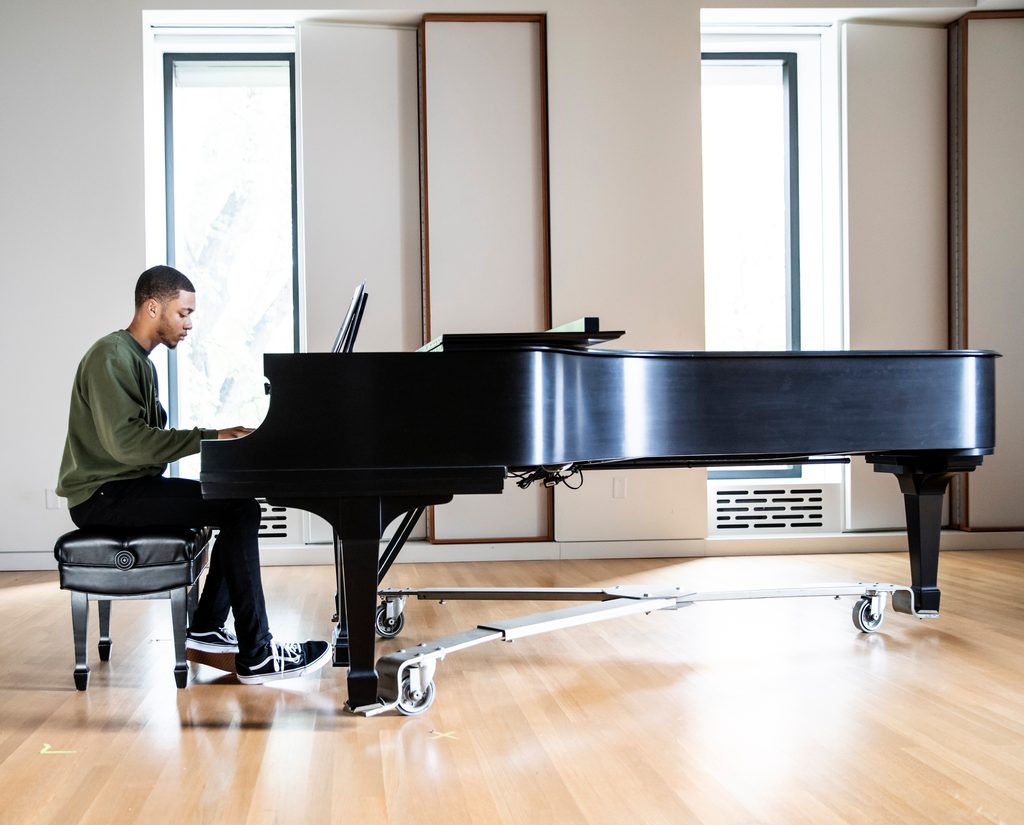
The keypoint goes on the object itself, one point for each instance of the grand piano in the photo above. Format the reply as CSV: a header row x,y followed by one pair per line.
x,y
362,439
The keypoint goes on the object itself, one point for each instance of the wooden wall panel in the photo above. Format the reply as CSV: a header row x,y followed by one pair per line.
x,y
483,136
987,244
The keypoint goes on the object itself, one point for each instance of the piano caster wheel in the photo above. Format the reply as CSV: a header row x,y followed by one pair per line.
x,y
388,628
415,702
864,619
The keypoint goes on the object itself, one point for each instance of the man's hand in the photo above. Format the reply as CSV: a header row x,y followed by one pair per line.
x,y
234,432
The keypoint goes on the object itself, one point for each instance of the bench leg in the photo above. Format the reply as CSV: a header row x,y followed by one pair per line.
x,y
179,620
79,627
104,645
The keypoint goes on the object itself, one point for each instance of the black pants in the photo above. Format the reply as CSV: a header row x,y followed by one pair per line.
x,y
233,581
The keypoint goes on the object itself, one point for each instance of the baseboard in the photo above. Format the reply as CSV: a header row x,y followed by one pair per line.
x,y
15,560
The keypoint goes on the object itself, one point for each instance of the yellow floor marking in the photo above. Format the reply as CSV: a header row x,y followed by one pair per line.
x,y
47,749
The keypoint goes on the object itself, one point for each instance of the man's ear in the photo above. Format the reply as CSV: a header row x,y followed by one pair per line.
x,y
153,307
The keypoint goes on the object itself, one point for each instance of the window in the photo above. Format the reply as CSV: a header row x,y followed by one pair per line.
x,y
772,184
751,201
231,208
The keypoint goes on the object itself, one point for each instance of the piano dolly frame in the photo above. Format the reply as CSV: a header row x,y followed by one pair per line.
x,y
404,680
407,676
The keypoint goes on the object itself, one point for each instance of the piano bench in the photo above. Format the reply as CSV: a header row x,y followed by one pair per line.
x,y
106,564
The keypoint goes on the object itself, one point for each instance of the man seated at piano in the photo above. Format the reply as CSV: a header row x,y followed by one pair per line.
x,y
115,454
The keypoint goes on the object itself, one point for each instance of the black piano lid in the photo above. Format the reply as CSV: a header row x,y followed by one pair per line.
x,y
522,342
336,418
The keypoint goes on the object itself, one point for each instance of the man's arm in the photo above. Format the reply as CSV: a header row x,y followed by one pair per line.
x,y
119,413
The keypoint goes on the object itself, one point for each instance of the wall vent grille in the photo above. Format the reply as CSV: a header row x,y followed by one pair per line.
x,y
278,525
747,509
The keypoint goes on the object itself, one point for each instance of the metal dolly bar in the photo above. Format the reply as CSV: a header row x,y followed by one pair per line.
x,y
407,676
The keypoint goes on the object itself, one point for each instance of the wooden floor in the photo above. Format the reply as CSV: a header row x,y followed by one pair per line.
x,y
769,711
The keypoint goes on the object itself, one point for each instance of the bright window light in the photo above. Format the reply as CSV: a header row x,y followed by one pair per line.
x,y
230,230
747,276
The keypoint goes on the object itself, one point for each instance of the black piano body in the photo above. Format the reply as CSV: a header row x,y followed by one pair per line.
x,y
363,438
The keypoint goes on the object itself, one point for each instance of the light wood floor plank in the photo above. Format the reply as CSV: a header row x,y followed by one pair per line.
x,y
763,712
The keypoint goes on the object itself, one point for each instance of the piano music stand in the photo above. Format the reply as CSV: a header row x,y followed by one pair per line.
x,y
345,340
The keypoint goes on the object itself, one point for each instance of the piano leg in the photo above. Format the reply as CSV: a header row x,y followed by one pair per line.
x,y
923,497
358,524
923,483
340,639
359,529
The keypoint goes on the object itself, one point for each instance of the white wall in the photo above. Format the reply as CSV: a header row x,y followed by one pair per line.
x,y
895,111
71,218
360,192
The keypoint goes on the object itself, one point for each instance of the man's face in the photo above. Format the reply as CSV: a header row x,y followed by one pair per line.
x,y
175,319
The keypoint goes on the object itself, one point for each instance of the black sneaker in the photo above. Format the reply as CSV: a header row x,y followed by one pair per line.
x,y
214,648
282,661
220,640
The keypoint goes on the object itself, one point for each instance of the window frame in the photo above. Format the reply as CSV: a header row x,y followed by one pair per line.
x,y
788,61
168,59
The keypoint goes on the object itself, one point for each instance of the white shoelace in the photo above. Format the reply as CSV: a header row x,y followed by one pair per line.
x,y
281,653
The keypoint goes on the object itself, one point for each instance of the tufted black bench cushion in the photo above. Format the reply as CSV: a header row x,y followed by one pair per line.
x,y
105,564
119,561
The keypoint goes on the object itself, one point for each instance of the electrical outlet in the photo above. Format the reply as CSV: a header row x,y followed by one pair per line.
x,y
55,502
618,487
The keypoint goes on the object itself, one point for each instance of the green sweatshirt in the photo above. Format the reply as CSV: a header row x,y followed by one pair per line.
x,y
116,424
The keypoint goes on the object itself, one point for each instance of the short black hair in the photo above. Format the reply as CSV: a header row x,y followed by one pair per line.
x,y
162,283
